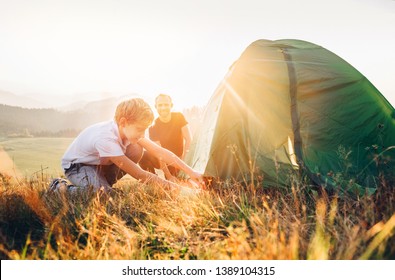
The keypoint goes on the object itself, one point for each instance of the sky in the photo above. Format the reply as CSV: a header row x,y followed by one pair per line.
x,y
64,51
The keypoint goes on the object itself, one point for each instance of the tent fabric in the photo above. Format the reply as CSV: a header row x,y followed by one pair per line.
x,y
291,106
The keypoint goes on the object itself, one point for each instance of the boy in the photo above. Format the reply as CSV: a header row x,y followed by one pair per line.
x,y
102,153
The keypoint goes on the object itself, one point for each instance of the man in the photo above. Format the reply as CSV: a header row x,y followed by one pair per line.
x,y
171,131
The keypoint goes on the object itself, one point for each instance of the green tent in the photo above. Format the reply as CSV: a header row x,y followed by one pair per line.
x,y
291,106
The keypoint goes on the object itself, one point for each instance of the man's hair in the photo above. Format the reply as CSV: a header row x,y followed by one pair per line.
x,y
163,95
135,110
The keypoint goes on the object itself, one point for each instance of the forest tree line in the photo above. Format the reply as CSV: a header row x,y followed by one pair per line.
x,y
24,122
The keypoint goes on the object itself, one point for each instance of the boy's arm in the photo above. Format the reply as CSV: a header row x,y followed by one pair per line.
x,y
130,167
169,158
166,172
164,168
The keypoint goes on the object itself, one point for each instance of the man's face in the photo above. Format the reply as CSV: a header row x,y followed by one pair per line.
x,y
163,106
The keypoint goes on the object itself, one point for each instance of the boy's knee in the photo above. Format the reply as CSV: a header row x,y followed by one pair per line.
x,y
134,152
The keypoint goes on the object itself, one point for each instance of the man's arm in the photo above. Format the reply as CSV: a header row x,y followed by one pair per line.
x,y
164,168
187,135
169,158
130,167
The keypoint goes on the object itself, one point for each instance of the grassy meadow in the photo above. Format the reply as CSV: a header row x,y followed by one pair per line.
x,y
225,221
35,155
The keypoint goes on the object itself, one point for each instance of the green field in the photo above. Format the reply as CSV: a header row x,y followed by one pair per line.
x,y
31,155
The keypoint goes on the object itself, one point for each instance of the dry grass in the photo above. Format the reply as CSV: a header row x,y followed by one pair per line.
x,y
228,221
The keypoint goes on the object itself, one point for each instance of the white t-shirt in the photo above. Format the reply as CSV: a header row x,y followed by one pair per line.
x,y
94,145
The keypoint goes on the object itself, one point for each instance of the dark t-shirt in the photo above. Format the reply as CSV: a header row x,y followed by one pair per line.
x,y
169,134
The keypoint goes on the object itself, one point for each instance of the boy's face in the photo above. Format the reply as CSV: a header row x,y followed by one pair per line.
x,y
163,105
133,132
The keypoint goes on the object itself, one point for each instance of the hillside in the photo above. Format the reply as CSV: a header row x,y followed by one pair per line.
x,y
12,99
17,121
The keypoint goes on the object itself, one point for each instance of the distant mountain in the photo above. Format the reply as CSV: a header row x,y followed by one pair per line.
x,y
18,121
12,99
77,105
102,108
105,108
102,105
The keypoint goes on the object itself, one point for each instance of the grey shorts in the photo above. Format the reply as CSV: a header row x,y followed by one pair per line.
x,y
84,177
94,176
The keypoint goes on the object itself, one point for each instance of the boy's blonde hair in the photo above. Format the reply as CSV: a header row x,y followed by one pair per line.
x,y
134,110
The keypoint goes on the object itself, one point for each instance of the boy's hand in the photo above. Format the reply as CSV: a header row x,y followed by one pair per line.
x,y
197,178
173,179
